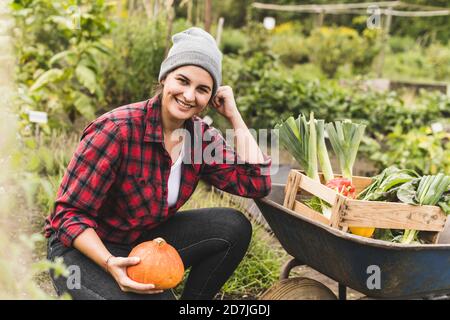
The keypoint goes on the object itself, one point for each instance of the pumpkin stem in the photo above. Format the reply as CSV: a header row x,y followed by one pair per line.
x,y
160,241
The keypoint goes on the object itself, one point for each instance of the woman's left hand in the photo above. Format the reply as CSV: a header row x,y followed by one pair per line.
x,y
225,104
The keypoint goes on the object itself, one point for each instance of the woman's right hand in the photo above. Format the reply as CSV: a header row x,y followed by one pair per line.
x,y
117,267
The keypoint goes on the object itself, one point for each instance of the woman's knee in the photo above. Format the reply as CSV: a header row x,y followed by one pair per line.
x,y
235,224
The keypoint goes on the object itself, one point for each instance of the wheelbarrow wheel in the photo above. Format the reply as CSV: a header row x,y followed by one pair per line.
x,y
298,288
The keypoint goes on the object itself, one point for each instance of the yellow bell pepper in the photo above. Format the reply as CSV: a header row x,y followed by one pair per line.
x,y
363,232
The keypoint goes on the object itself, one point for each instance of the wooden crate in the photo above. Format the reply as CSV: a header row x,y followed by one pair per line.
x,y
347,212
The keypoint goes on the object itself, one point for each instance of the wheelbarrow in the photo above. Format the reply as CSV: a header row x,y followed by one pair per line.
x,y
378,269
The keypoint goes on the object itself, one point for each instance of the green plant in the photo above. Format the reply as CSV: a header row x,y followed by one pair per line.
x,y
258,270
291,48
59,56
266,92
402,44
41,163
369,49
411,64
232,41
287,41
333,47
345,137
428,190
439,59
139,45
19,268
299,137
420,149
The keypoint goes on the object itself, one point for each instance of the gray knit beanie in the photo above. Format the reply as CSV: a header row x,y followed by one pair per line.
x,y
194,46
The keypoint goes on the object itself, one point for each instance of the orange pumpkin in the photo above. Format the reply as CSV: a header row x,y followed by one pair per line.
x,y
160,264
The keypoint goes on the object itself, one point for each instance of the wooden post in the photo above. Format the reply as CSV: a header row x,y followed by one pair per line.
x,y
219,30
130,8
198,12
119,8
157,7
384,39
319,18
208,15
148,8
190,5
170,18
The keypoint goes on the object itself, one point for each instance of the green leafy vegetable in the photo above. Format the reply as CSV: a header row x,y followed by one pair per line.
x,y
383,183
322,152
299,138
428,190
345,137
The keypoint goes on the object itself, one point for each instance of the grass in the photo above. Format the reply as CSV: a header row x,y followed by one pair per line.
x,y
258,270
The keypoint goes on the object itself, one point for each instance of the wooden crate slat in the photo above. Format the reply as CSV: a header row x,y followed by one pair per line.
x,y
318,189
291,189
310,213
360,213
336,211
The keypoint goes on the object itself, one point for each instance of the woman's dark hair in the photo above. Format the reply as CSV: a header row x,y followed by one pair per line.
x,y
158,90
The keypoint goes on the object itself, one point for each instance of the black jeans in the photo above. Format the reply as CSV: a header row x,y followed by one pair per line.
x,y
212,241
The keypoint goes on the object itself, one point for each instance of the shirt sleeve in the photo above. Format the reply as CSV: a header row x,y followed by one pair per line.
x,y
89,176
231,174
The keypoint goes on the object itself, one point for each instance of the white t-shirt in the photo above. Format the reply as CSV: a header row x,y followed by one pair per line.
x,y
174,179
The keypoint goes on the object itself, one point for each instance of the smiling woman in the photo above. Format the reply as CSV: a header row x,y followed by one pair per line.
x,y
126,182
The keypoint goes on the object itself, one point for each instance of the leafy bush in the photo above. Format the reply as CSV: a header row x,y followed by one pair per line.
x,y
130,74
406,66
259,90
59,61
402,44
19,268
420,64
265,93
303,72
258,39
439,59
290,47
139,46
333,47
369,49
258,270
232,41
419,149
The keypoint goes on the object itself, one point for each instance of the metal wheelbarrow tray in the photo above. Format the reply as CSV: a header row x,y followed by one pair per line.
x,y
405,271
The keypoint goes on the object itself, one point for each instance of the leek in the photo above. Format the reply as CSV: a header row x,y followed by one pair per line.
x,y
313,171
322,153
298,137
345,137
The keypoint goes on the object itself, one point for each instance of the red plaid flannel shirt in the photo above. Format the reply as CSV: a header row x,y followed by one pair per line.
x,y
117,180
